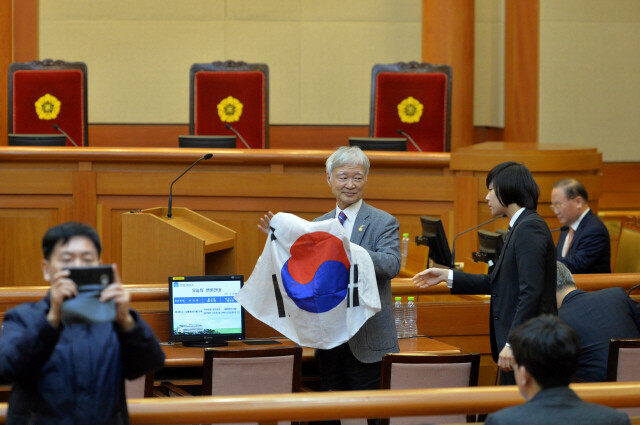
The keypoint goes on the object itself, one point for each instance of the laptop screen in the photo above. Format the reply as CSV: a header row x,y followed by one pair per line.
x,y
203,309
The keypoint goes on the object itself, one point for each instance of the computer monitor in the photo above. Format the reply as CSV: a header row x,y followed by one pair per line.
x,y
208,142
203,310
379,143
489,246
434,237
55,139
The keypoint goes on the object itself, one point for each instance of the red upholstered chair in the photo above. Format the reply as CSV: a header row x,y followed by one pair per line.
x,y
47,93
230,93
414,98
425,370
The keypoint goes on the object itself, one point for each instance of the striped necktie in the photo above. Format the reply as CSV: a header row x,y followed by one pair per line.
x,y
342,217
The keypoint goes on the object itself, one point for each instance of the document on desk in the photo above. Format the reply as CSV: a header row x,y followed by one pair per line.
x,y
310,283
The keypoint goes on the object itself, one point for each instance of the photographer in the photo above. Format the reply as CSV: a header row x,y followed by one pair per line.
x,y
73,371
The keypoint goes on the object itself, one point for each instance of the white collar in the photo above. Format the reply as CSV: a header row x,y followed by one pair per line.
x,y
515,217
576,223
351,211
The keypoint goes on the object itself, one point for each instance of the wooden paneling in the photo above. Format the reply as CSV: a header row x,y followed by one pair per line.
x,y
521,70
447,38
25,30
620,188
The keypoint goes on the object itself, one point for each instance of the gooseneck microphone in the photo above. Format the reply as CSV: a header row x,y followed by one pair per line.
x,y
65,135
409,138
453,249
560,229
207,156
238,134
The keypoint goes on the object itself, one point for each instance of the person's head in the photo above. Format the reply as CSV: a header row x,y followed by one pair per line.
x,y
511,183
546,354
347,171
569,199
564,282
70,244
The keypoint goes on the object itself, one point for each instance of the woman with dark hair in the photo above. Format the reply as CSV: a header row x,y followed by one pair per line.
x,y
522,282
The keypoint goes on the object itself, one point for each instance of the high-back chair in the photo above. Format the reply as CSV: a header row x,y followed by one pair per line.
x,y
425,370
242,371
140,387
415,99
624,364
47,94
227,96
628,252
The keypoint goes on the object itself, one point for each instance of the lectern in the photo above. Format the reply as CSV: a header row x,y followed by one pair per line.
x,y
155,247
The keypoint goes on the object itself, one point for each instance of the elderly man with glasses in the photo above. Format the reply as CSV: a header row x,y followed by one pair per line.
x,y
584,247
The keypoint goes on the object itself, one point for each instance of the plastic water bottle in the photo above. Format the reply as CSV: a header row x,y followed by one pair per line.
x,y
398,314
411,318
404,250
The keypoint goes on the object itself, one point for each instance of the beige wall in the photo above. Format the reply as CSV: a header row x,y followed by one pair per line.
x,y
320,53
590,75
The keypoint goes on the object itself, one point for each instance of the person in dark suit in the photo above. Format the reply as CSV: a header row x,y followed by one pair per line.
x,y
356,364
522,283
596,317
546,353
585,246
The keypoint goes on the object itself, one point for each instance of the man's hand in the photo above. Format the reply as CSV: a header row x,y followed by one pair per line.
x,y
505,359
430,277
120,295
62,288
265,221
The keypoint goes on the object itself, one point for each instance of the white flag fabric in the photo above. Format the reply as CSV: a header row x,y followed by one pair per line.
x,y
310,283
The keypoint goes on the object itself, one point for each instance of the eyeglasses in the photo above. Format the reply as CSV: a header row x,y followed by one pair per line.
x,y
556,207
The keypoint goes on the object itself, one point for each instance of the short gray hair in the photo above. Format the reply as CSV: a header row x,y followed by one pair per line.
x,y
344,155
564,278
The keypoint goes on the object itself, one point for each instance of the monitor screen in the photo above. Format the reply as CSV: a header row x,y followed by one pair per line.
x,y
490,244
209,142
37,140
203,310
434,237
379,143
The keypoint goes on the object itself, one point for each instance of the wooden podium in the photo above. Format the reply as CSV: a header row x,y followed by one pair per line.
x,y
155,247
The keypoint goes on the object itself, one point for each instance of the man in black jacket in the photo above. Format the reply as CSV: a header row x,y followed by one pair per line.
x,y
596,317
73,372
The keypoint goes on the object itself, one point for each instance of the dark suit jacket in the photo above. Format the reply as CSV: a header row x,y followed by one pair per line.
x,y
522,284
590,249
558,405
597,317
377,232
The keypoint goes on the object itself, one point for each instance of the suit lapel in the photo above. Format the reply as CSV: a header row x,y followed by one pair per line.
x,y
363,221
576,236
507,240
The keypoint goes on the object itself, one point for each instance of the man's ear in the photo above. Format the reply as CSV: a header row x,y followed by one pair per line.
x,y
525,375
45,270
329,179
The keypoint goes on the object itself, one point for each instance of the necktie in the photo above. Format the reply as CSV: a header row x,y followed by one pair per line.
x,y
567,242
342,217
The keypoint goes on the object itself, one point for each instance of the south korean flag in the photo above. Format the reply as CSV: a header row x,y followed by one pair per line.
x,y
310,283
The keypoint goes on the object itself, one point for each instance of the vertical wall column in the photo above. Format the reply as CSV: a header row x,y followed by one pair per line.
x,y
6,56
522,65
448,38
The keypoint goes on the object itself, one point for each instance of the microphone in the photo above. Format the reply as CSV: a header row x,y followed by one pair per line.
x,y
410,139
207,156
560,229
453,250
238,134
65,135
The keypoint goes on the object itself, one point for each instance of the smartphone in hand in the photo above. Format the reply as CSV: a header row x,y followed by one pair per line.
x,y
93,275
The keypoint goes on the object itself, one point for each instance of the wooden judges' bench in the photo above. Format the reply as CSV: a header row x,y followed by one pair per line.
x,y
41,187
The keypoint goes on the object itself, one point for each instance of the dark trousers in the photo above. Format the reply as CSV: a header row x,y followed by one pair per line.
x,y
341,371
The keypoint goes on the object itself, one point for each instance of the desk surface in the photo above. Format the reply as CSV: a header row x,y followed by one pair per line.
x,y
179,356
